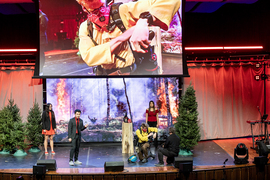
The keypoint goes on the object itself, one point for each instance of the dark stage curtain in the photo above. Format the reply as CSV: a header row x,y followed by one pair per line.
x,y
20,86
227,97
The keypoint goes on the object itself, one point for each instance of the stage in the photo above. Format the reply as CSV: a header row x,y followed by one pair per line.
x,y
209,156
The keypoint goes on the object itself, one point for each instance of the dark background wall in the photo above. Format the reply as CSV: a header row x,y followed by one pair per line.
x,y
232,24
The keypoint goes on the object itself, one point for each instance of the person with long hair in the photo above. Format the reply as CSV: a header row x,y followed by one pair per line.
x,y
152,118
48,127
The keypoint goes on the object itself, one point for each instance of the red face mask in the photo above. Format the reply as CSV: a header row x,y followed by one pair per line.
x,y
100,17
144,130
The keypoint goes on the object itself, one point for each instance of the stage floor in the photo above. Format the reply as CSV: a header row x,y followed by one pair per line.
x,y
207,154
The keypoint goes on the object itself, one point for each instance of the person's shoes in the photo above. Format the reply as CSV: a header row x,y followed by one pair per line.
x,y
144,161
46,153
78,162
71,163
53,152
159,165
169,164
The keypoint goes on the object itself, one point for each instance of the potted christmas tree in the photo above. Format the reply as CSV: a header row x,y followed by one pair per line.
x,y
187,127
6,122
14,135
34,128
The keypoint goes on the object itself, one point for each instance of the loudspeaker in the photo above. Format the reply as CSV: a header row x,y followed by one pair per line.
x,y
49,163
183,159
260,161
39,169
114,166
185,167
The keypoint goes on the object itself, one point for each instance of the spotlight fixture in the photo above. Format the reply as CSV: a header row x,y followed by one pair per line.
x,y
241,154
257,77
257,65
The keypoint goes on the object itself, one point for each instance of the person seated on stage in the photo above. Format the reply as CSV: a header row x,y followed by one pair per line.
x,y
170,148
143,134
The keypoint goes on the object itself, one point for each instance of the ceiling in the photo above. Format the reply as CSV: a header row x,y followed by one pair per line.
x,y
13,7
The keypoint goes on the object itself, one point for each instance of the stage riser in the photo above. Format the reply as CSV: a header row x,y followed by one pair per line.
x,y
245,173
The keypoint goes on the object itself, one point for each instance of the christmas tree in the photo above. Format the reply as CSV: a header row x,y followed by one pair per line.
x,y
14,135
6,127
34,127
187,127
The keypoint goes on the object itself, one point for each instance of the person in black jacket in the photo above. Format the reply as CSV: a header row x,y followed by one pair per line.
x,y
75,126
48,127
170,149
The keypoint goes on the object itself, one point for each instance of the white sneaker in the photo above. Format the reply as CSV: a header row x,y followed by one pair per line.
x,y
78,162
71,163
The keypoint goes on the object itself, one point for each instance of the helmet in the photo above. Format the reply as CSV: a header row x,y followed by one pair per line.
x,y
132,159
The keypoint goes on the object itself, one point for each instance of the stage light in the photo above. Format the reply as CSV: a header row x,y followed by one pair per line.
x,y
3,68
257,65
257,77
241,154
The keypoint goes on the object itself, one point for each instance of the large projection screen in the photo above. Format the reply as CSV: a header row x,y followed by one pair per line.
x,y
67,50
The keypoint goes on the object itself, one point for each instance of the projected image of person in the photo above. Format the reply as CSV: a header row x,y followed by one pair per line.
x,y
104,46
48,127
152,118
75,126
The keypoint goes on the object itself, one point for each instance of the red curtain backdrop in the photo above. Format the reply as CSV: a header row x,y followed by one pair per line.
x,y
22,88
227,97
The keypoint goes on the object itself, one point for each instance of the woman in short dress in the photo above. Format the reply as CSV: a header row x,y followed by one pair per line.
x,y
48,127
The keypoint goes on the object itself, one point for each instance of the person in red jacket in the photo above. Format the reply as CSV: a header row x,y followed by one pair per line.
x,y
152,118
48,127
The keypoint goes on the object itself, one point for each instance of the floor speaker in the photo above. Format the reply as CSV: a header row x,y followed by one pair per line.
x,y
114,166
49,163
39,169
183,159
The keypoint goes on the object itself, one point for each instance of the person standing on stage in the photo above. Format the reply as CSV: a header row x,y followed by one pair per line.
x,y
143,134
152,118
48,127
170,148
75,126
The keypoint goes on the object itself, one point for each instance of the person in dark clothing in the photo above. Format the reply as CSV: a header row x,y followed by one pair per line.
x,y
75,126
48,127
170,149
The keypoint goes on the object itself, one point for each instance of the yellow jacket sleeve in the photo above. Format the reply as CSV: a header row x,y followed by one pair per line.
x,y
164,10
152,129
91,54
140,136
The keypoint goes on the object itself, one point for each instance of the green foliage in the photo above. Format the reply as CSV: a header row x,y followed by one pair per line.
x,y
12,129
33,126
187,127
15,111
6,121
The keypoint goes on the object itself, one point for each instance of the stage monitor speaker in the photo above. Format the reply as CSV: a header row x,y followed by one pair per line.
x,y
260,161
185,167
39,169
183,159
114,166
49,163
